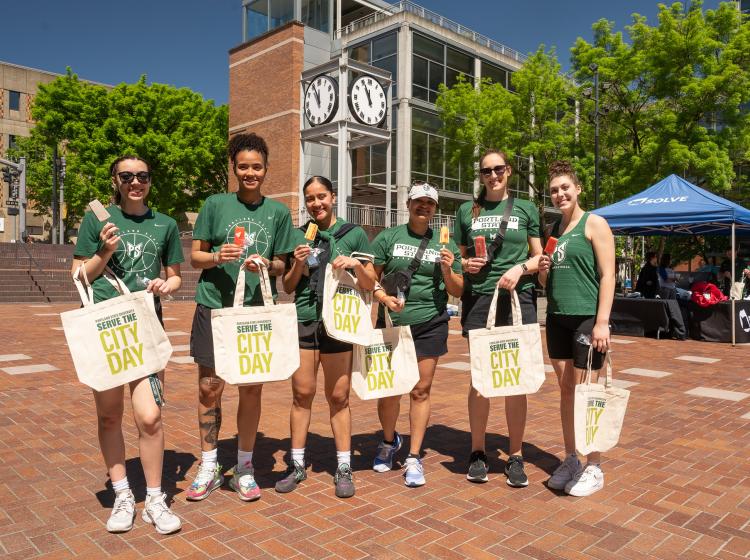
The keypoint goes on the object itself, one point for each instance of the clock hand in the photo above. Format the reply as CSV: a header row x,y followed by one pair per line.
x,y
369,99
317,95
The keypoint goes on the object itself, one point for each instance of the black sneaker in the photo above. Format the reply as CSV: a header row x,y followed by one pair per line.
x,y
514,471
294,475
477,467
344,481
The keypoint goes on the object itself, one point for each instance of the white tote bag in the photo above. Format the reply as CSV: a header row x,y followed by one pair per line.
x,y
115,341
256,344
387,366
506,361
347,311
598,412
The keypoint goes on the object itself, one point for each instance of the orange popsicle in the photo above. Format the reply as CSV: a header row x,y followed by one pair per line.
x,y
312,231
549,248
239,236
444,235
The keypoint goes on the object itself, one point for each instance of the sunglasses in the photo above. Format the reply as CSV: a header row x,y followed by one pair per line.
x,y
498,169
127,177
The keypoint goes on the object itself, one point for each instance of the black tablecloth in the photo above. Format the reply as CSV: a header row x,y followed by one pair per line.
x,y
653,317
714,323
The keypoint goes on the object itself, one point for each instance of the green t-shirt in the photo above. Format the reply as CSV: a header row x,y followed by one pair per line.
x,y
308,307
146,243
394,249
268,232
573,280
522,224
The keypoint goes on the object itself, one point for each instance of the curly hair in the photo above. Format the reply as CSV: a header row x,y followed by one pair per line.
x,y
562,168
241,142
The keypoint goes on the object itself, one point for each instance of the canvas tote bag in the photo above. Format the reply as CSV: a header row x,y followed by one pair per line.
x,y
598,412
506,361
347,311
256,344
115,341
386,366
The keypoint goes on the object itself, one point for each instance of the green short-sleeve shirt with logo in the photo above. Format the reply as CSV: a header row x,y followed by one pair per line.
x,y
147,243
355,240
268,232
522,224
394,249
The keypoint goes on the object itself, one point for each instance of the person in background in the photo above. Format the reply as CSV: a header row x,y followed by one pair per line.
x,y
648,278
667,276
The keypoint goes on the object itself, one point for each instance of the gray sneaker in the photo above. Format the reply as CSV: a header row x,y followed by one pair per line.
x,y
294,475
477,467
157,512
344,481
123,513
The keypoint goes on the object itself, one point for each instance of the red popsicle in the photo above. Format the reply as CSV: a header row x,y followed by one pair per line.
x,y
480,247
549,248
239,236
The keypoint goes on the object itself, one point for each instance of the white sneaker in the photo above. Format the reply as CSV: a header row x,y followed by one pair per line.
x,y
156,511
564,473
414,473
586,482
123,513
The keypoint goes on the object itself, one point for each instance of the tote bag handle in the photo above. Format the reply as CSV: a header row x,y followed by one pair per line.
x,y
587,376
515,306
265,285
86,292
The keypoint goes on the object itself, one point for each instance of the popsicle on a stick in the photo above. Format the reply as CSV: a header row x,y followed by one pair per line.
x,y
444,236
549,248
239,236
480,247
99,211
312,231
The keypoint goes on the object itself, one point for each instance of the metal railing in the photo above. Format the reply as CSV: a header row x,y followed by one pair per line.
x,y
437,19
374,216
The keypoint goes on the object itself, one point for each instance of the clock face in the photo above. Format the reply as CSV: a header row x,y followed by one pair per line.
x,y
367,100
321,100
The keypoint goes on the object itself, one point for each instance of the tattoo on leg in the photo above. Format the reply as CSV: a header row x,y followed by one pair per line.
x,y
211,424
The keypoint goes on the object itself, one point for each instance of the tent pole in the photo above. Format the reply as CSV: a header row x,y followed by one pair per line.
x,y
734,340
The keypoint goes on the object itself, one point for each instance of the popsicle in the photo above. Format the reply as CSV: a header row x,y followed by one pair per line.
x,y
549,248
239,236
99,211
480,247
312,231
444,235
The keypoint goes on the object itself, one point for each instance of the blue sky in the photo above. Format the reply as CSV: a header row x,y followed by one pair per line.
x,y
185,43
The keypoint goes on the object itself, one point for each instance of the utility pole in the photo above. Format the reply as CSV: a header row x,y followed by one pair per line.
x,y
15,176
595,69
62,200
53,237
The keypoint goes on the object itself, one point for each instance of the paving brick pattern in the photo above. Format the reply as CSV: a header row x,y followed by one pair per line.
x,y
678,485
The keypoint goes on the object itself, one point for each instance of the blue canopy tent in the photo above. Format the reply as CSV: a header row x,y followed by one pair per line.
x,y
673,206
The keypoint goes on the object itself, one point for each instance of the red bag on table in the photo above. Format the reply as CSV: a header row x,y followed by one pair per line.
x,y
706,294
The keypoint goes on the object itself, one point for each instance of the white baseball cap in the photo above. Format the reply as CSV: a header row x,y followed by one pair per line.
x,y
423,190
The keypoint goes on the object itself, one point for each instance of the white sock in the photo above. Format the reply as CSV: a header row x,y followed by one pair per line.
x,y
155,491
344,458
298,456
209,458
244,458
121,485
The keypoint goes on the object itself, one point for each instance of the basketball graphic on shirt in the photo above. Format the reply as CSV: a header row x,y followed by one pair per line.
x,y
257,239
558,257
137,252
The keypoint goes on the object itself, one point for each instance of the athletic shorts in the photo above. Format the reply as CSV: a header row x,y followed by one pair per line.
x,y
202,338
430,338
569,337
476,307
313,336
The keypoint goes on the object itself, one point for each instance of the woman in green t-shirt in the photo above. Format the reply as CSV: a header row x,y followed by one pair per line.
x,y
135,243
509,268
580,280
334,241
262,228
423,308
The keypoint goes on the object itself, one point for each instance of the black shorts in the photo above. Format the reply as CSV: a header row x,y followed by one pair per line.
x,y
569,337
430,338
202,338
313,336
159,313
476,307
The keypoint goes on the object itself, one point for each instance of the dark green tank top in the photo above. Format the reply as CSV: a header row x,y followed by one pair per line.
x,y
573,281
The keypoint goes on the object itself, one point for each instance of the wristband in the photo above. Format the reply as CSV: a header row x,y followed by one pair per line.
x,y
524,268
377,287
215,258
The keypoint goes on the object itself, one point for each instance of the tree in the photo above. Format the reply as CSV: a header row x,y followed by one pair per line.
x,y
673,96
180,134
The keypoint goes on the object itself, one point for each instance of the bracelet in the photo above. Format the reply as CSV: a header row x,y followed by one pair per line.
x,y
215,258
377,287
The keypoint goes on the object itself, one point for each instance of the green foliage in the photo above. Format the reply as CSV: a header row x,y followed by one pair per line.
x,y
180,134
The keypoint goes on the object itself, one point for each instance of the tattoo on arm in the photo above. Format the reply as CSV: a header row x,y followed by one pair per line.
x,y
210,424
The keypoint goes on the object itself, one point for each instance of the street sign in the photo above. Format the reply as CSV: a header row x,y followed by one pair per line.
x,y
12,211
12,202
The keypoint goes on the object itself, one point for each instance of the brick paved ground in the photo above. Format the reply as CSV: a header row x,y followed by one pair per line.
x,y
678,486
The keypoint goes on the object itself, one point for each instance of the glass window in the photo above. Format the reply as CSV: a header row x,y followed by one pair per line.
x,y
315,14
11,141
451,77
360,53
423,120
257,18
384,46
428,48
391,65
460,61
436,76
420,93
418,152
435,156
510,82
419,71
282,11
15,100
495,73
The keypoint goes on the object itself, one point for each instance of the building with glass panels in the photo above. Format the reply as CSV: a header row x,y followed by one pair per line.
x,y
420,48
